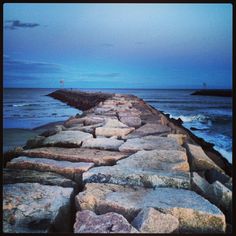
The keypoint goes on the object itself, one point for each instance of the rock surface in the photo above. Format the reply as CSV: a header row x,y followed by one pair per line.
x,y
131,121
71,170
99,157
28,208
109,132
149,129
67,139
195,214
103,143
12,176
199,160
150,221
180,138
145,168
150,143
89,222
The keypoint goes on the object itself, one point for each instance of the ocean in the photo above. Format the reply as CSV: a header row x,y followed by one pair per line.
x,y
26,109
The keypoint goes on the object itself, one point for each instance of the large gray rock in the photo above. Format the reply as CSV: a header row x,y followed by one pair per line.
x,y
93,120
99,157
109,132
36,208
216,193
200,185
150,221
150,143
67,139
53,130
87,129
103,143
199,161
149,129
89,222
72,170
221,196
145,168
12,176
131,121
195,214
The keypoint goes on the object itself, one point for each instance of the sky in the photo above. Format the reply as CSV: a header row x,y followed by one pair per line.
x,y
166,46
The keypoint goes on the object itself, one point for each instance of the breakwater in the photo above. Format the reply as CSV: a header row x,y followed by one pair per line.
x,y
118,167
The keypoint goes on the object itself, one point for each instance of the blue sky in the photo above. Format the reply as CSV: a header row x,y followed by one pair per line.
x,y
118,45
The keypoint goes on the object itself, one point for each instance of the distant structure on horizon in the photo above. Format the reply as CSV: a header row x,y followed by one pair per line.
x,y
204,85
62,83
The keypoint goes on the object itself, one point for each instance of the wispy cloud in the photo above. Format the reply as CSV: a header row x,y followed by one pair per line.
x,y
101,75
108,45
29,66
16,24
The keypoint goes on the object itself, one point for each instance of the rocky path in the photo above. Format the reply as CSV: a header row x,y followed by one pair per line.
x,y
120,167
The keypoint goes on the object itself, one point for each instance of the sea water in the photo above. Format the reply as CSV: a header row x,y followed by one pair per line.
x,y
212,116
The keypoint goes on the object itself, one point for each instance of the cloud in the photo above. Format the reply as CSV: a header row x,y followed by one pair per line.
x,y
16,24
11,65
101,75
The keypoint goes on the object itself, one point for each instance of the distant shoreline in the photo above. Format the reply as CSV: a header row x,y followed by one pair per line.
x,y
214,92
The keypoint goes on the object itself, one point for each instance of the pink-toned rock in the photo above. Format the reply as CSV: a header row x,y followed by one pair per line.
x,y
195,214
153,221
70,169
89,222
109,132
99,157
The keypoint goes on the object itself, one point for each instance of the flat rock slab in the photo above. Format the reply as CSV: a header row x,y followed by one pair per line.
x,y
195,214
87,129
12,176
150,143
109,132
199,160
149,129
67,139
72,170
150,220
145,168
114,123
103,143
36,208
99,157
89,222
130,120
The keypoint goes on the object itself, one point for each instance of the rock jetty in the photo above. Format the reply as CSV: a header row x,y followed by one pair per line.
x,y
119,167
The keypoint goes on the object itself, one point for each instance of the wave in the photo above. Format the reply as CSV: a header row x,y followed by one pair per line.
x,y
24,104
199,117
